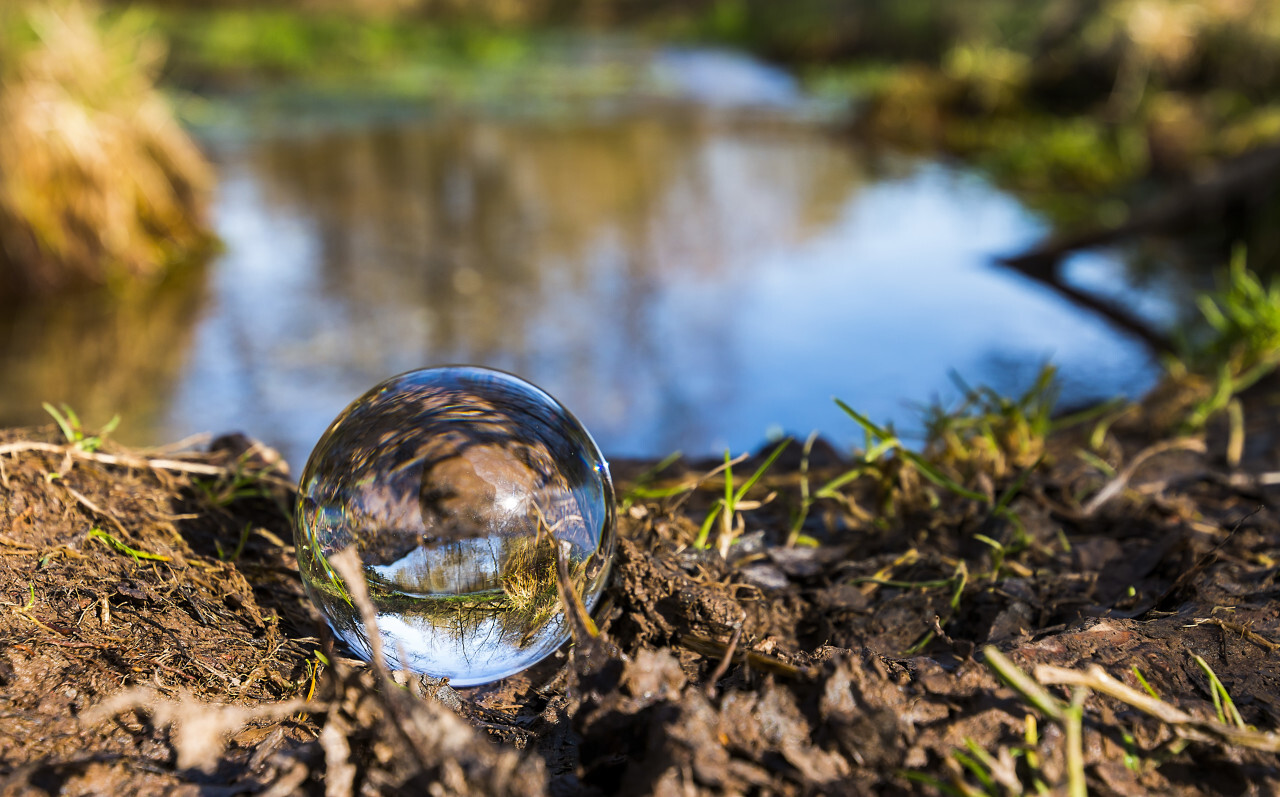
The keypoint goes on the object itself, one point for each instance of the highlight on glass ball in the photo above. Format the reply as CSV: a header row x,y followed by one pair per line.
x,y
458,488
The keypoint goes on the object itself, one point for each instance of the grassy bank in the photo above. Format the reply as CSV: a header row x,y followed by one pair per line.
x,y
1088,111
1135,117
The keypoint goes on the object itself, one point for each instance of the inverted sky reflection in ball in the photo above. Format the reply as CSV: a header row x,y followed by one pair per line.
x,y
458,488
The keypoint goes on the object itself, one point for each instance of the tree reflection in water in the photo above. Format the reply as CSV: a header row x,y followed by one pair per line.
x,y
547,248
685,279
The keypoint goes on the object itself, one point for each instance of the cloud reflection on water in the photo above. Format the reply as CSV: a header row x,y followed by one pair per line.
x,y
679,278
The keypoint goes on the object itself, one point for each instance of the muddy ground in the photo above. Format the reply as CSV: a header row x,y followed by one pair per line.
x,y
154,637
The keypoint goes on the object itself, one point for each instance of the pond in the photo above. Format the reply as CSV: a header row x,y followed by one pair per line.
x,y
691,270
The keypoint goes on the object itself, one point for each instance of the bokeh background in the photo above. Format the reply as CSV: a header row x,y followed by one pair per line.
x,y
695,223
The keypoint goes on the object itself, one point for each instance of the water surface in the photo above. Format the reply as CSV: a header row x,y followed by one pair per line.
x,y
687,275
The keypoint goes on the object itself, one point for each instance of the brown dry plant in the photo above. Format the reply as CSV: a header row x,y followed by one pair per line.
x,y
99,184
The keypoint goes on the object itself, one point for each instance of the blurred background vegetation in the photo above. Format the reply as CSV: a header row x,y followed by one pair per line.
x,y
1087,106
99,183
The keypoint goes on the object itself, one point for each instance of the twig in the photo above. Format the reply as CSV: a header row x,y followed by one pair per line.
x,y
1235,437
723,666
190,441
1201,199
756,661
340,773
111,459
347,563
941,634
1246,633
1113,312
97,510
12,543
581,625
1116,485
198,730
64,644
348,566
1184,724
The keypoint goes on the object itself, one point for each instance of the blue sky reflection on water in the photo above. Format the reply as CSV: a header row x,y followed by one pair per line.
x,y
678,284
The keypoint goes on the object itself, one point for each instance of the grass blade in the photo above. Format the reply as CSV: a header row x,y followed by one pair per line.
x,y
1073,730
1022,683
1228,714
828,490
1013,489
978,771
1138,674
705,531
931,472
875,431
68,431
755,477
112,542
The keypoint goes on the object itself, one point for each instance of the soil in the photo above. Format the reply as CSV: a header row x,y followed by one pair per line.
x,y
184,657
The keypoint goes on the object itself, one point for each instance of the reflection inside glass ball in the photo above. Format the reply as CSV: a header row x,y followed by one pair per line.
x,y
459,488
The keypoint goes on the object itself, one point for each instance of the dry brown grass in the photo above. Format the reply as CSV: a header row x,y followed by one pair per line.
x,y
98,182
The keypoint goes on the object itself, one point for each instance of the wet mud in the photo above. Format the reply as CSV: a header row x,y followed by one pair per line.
x,y
865,638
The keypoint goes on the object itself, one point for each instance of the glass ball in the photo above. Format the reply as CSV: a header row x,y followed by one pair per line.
x,y
458,487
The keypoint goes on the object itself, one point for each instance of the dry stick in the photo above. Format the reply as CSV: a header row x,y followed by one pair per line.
x,y
190,441
198,730
1116,485
97,510
756,661
1185,577
1235,437
1230,179
723,666
587,639
12,543
339,772
1244,632
580,623
111,459
581,626
348,566
1115,313
288,782
1184,724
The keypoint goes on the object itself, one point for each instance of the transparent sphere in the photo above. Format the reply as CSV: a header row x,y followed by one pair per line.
x,y
459,488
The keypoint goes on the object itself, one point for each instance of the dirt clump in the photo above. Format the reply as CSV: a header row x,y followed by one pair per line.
x,y
1103,613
